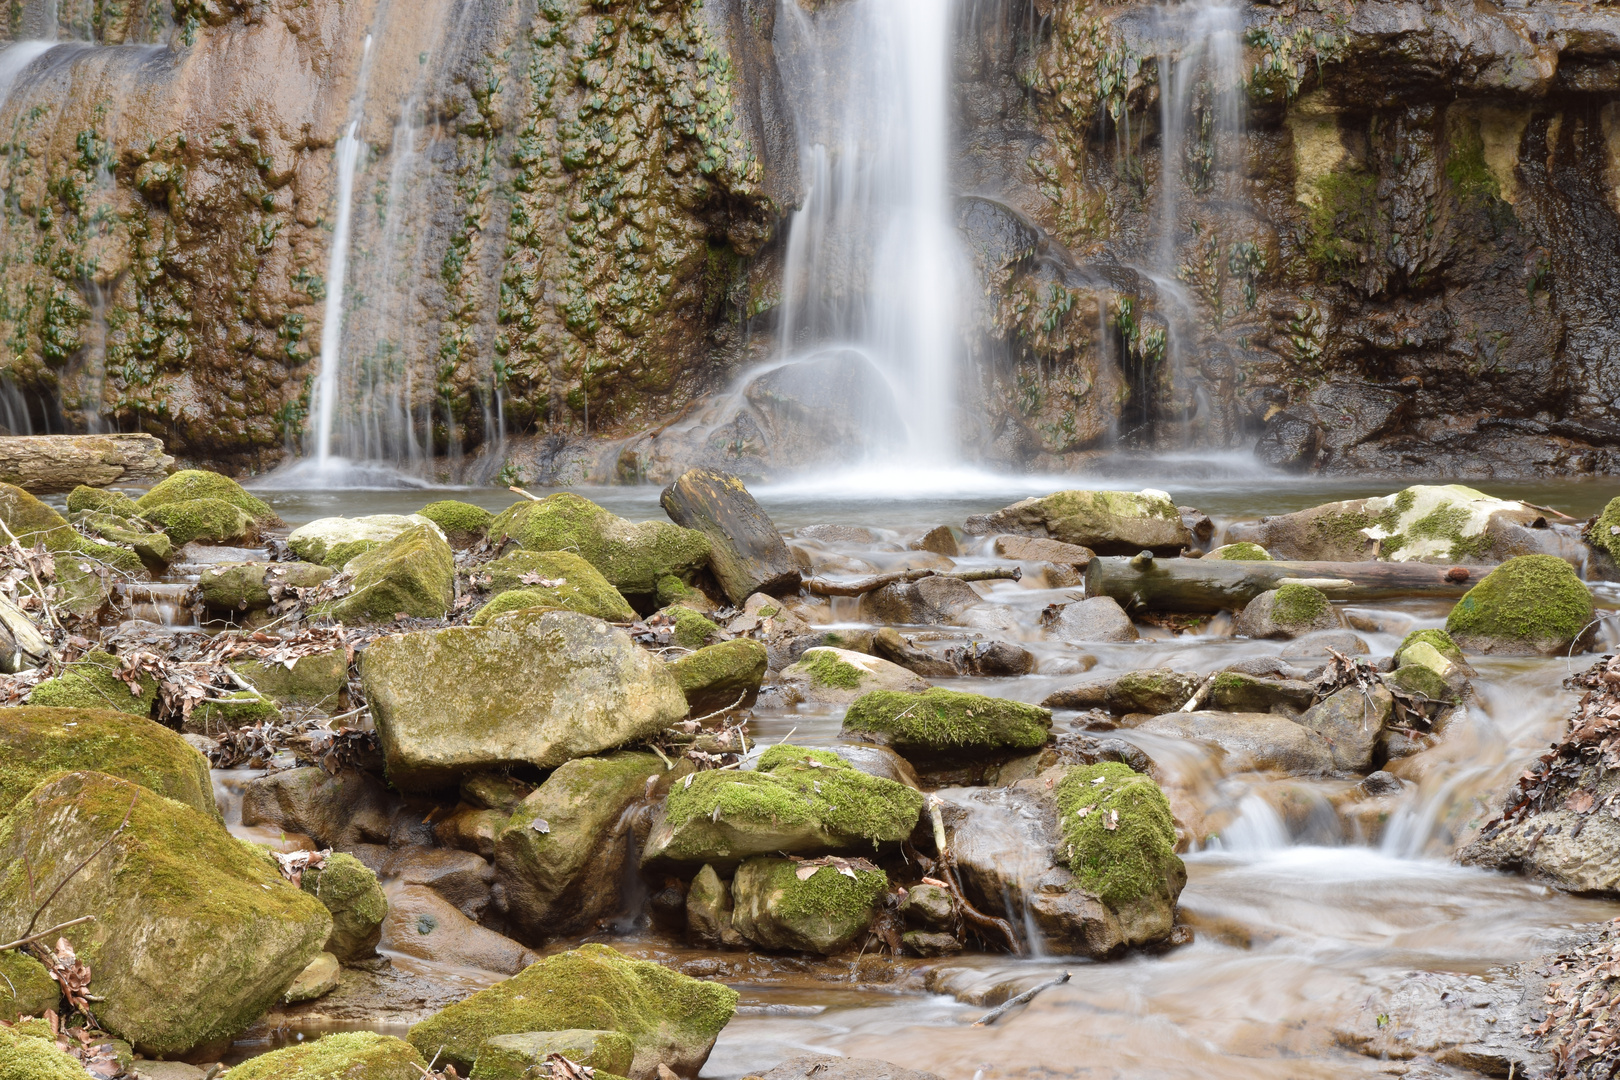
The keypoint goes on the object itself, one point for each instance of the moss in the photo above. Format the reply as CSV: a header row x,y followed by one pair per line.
x,y
189,485
521,1056
1298,605
1438,640
212,520
37,742
413,573
26,988
1125,863
312,680
1531,599
33,522
349,1055
827,669
592,987
1154,690
350,891
1422,681
1344,221
692,630
153,548
515,600
239,709
824,912
1604,533
91,682
939,719
1240,552
102,501
23,1057
340,555
583,588
672,590
460,521
633,557
726,669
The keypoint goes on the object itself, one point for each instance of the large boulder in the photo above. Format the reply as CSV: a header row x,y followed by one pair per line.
x,y
196,933
673,1020
334,541
188,485
940,722
33,522
1533,604
212,521
413,574
533,687
1350,722
797,801
92,682
558,579
464,878
52,463
37,742
1106,522
838,676
252,586
462,523
352,894
561,856
783,904
1154,690
633,557
347,1055
747,554
1290,610
722,675
1251,741
316,679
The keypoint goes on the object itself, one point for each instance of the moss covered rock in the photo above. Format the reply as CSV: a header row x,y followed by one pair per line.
x,y
825,912
1604,532
26,988
462,523
561,579
312,680
839,676
523,1056
1234,691
1151,690
1288,611
196,934
1117,836
33,522
232,712
213,521
692,629
26,1057
1107,522
1528,605
414,573
1422,681
334,541
102,500
37,742
671,1019
940,721
348,1055
188,485
92,682
566,872
721,675
533,687
1240,552
245,586
351,893
797,800
632,556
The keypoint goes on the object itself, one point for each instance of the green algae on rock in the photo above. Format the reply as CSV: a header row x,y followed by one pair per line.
x,y
946,721
29,989
348,1055
351,893
1529,605
670,1018
1117,835
414,574
721,675
188,485
561,578
631,556
37,742
196,934
825,912
92,682
212,520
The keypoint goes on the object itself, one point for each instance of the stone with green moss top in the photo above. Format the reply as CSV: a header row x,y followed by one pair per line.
x,y
462,523
317,679
33,522
38,742
195,935
189,485
1604,532
413,574
1534,604
1437,640
351,893
722,675
349,1055
692,630
1288,611
796,800
1422,681
28,1057
1151,690
1107,522
232,712
154,548
514,600
1237,692
672,590
523,1056
336,541
671,1019
245,586
1241,552
939,721
582,587
26,988
92,682
634,557
102,500
826,912
839,676
213,521
1117,837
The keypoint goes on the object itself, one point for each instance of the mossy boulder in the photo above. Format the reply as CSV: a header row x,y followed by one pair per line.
x,y
566,872
1604,531
213,521
671,1019
1107,522
947,722
721,675
413,574
1150,690
154,547
28,1057
1288,611
560,579
335,541
1422,681
348,1055
188,485
38,742
632,556
462,523
523,1056
92,682
839,676
245,586
823,912
351,893
196,933
692,629
515,600
532,687
33,522
1534,604
102,501
1240,552
317,679
797,801
1437,641
26,988
232,712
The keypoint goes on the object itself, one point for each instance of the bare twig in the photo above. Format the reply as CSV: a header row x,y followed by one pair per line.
x,y
1200,694
31,938
74,872
722,712
1012,1003
525,494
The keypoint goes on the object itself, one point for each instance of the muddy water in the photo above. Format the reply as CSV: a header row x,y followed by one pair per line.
x,y
1306,896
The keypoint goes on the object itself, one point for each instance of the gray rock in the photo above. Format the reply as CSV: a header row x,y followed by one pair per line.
x,y
1253,741
837,534
708,911
929,907
1577,852
1350,722
340,537
1315,646
1106,522
1287,611
838,677
931,601
1235,692
992,659
1099,618
928,943
1157,690
746,552
888,644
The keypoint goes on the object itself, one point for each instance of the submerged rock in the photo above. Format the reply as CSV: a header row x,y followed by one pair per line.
x,y
747,554
334,541
825,1067
838,676
632,557
37,742
1252,741
947,722
423,924
413,574
348,1055
1289,610
825,911
1106,522
1533,604
889,645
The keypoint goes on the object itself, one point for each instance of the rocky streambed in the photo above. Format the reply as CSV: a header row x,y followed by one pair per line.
x,y
473,778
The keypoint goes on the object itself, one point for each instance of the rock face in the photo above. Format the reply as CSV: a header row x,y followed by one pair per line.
x,y
196,934
747,554
36,742
534,687
631,556
43,464
825,911
1531,604
1106,522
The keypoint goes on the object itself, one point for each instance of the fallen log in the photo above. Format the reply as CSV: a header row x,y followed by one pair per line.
x,y
862,586
47,464
1145,583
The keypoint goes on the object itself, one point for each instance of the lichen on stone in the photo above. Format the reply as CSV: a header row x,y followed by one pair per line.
x,y
1116,832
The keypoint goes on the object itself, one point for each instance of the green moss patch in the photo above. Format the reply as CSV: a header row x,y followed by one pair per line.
x,y
189,485
692,630
515,600
724,671
579,585
312,680
1604,533
827,669
349,1055
940,719
1299,605
1535,601
1438,640
33,522
37,742
101,500
460,521
1240,552
1117,835
349,890
24,1057
91,682
239,709
633,557
26,988
1344,221
523,1056
214,521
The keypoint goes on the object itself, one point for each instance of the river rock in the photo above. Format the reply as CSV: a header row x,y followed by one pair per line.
x,y
939,540
826,1067
1157,690
467,828
671,1019
355,899
1579,853
462,524
1351,722
777,906
189,485
946,723
423,924
1039,549
632,557
746,552
83,499
723,675
992,659
340,810
1234,691
838,676
1533,604
413,574
155,547
45,464
1098,618
708,911
1289,610
361,1055
1313,647
22,646
889,645
211,521
317,980
877,761
558,579
317,679
334,541
248,586
796,801
561,857
537,688
1253,741
1106,522
30,990
232,712
196,934
462,877
92,682
1239,552
931,601
929,907
524,1056
37,742
33,522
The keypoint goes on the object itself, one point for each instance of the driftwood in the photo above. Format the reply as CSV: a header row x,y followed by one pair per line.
x,y
1153,584
1012,1003
51,463
862,586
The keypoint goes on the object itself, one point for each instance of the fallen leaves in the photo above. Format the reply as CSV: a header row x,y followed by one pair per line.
x,y
848,867
294,863
1582,1026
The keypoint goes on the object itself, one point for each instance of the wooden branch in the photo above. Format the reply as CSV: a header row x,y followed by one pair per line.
x,y
31,938
1012,1003
947,866
862,586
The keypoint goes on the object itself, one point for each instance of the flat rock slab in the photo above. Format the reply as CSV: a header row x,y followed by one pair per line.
x,y
45,464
